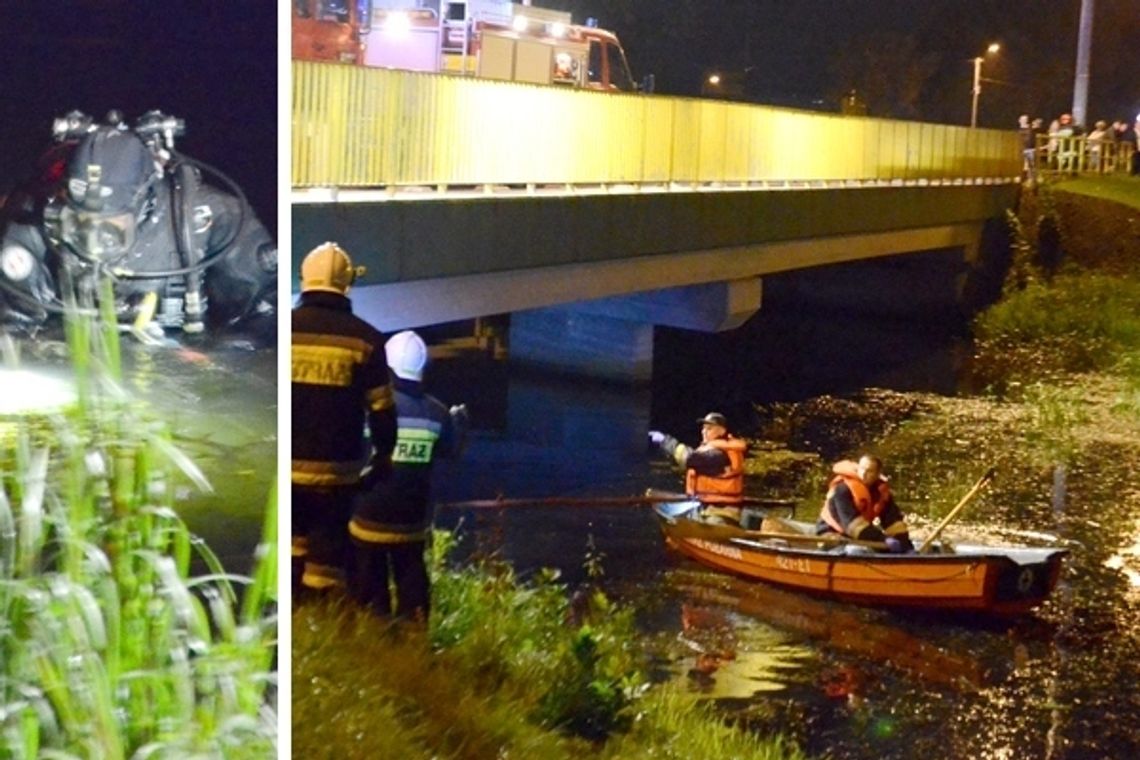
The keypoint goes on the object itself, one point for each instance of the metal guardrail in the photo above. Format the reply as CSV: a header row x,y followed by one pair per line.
x,y
1058,156
357,127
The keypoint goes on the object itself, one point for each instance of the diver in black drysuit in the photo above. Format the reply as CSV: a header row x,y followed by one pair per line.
x,y
184,256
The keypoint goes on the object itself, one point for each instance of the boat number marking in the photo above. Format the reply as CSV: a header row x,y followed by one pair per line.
x,y
795,564
1025,581
726,551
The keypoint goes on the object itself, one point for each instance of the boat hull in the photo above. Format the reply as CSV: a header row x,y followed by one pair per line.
x,y
991,580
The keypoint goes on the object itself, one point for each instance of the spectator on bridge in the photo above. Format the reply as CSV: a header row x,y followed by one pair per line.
x,y
339,380
1096,142
1135,139
1062,150
391,520
1120,131
1027,131
858,497
714,471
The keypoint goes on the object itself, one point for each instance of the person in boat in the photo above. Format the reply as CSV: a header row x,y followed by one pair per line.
x,y
714,471
391,520
858,497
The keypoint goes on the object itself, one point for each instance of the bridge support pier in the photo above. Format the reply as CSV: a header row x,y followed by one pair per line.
x,y
612,338
564,340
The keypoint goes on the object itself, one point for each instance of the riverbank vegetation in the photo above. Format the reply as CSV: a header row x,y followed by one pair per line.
x,y
1055,373
509,668
506,668
112,645
1071,303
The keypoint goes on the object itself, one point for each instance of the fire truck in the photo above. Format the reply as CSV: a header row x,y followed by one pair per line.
x,y
492,39
330,30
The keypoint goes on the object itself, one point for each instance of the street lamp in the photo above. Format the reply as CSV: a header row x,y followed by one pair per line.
x,y
993,48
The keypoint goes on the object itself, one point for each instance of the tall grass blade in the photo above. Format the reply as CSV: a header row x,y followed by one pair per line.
x,y
182,462
264,588
7,537
31,532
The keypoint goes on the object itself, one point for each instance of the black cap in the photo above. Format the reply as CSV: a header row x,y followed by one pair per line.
x,y
109,171
714,418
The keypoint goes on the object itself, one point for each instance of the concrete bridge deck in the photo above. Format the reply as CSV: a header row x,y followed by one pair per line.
x,y
465,197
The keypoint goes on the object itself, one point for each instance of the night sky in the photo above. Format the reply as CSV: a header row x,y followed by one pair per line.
x,y
212,63
910,57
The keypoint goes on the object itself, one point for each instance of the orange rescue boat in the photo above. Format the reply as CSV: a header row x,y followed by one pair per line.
x,y
997,580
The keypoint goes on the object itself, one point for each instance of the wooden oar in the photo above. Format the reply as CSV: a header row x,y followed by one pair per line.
x,y
599,501
954,512
711,532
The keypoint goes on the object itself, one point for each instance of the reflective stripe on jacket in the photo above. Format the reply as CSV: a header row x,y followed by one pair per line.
x,y
339,378
396,510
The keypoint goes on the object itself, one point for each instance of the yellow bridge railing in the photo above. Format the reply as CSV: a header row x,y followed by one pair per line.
x,y
359,127
1057,156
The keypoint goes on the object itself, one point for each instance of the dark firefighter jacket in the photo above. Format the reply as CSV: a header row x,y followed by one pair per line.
x,y
396,510
851,507
339,377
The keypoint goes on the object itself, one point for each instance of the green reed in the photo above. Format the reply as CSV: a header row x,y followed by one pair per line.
x,y
506,668
110,646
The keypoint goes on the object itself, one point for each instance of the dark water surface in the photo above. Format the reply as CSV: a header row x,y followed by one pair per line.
x,y
220,403
843,681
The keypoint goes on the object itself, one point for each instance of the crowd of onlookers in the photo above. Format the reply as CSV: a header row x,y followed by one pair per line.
x,y
1066,147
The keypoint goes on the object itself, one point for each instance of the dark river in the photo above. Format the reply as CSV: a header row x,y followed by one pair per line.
x,y
842,681
219,401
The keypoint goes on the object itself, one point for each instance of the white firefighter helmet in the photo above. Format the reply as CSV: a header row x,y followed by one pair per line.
x,y
407,355
327,267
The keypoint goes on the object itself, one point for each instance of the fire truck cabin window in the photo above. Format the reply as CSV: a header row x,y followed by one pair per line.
x,y
619,69
594,72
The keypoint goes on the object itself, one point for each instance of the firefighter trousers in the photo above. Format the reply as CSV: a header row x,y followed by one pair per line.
x,y
320,546
377,567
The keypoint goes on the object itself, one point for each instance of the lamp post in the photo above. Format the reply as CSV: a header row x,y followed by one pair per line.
x,y
993,48
713,85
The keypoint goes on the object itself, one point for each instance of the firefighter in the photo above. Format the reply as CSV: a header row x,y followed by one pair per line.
x,y
857,497
392,519
339,380
121,202
714,471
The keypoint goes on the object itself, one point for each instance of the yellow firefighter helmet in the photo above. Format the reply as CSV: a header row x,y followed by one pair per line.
x,y
327,267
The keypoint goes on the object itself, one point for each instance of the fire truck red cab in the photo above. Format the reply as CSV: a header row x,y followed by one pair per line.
x,y
492,39
330,30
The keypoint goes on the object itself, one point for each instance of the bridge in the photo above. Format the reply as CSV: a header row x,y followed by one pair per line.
x,y
591,217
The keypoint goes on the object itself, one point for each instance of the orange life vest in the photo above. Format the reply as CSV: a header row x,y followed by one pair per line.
x,y
848,472
727,487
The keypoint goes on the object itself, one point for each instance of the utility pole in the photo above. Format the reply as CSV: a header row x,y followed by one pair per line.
x,y
993,48
976,91
1084,53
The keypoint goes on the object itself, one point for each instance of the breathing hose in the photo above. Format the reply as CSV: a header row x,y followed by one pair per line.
x,y
209,259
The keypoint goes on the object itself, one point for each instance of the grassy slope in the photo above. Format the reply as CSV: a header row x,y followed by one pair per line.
x,y
365,689
1119,189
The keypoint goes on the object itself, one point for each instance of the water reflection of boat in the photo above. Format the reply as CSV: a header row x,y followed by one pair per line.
x,y
999,580
842,629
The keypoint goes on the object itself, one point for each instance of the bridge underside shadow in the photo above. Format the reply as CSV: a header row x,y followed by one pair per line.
x,y
586,278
